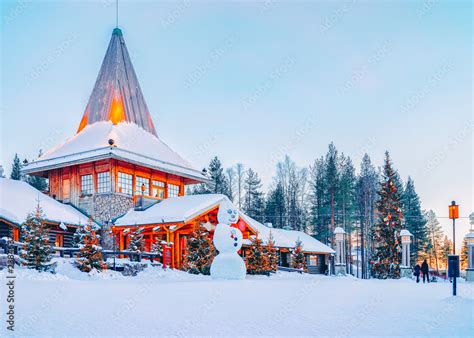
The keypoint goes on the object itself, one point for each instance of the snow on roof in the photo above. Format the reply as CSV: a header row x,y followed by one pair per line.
x,y
171,210
18,199
287,238
184,208
131,143
405,232
339,230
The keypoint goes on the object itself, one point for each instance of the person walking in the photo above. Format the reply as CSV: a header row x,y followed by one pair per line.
x,y
416,272
426,271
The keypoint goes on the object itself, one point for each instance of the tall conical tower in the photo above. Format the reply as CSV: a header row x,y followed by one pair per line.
x,y
117,95
115,159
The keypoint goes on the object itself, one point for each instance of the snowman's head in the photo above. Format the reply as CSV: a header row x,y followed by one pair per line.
x,y
227,213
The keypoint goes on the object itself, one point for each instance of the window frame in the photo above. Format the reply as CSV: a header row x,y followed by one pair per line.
x,y
101,182
125,183
87,181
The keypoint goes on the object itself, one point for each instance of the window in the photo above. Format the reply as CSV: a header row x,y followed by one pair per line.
x,y
87,186
173,190
139,181
59,241
124,183
158,189
103,182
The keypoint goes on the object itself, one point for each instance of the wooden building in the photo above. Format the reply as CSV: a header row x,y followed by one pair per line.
x,y
18,199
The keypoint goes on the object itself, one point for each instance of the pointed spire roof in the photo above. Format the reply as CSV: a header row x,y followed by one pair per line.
x,y
117,95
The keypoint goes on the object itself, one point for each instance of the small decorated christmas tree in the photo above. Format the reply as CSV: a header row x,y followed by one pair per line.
x,y
199,252
77,238
90,256
272,253
298,260
136,244
257,259
36,253
157,248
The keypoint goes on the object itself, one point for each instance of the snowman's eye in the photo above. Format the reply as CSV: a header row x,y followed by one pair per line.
x,y
229,211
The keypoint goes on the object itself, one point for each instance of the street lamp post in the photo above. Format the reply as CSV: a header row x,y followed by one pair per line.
x,y
453,260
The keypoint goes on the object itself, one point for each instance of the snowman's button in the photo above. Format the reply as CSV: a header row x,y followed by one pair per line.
x,y
235,238
235,244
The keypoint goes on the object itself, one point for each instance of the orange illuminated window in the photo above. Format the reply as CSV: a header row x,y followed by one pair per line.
x,y
16,234
59,242
158,189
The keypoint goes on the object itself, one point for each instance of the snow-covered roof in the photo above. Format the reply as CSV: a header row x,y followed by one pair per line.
x,y
405,232
131,143
339,230
18,199
287,238
184,208
171,210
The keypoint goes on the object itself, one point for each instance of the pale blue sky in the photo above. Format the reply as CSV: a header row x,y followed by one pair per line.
x,y
251,81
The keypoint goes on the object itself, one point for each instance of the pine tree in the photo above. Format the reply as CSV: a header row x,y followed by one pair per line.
x,y
366,197
157,248
16,169
257,260
272,253
298,259
346,204
464,255
387,229
38,182
199,252
90,256
446,249
415,221
331,177
36,253
254,204
275,211
2,172
136,244
435,236
319,211
78,237
218,182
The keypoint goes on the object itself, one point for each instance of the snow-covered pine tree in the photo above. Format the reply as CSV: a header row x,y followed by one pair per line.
x,y
254,204
389,224
298,259
199,252
78,237
272,253
257,259
136,244
157,248
16,169
2,172
415,221
36,253
89,256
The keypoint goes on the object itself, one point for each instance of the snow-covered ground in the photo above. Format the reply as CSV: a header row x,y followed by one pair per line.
x,y
173,303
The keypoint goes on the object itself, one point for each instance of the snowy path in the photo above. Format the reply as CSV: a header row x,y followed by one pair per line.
x,y
178,304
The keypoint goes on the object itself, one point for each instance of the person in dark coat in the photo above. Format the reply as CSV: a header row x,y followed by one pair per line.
x,y
416,272
425,269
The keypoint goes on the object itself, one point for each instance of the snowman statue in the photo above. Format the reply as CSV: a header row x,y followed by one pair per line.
x,y
227,240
